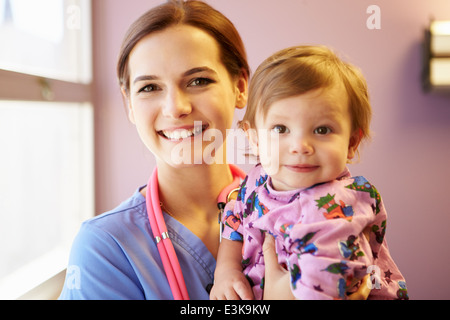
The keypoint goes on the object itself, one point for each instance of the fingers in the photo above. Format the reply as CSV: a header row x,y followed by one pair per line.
x,y
228,294
239,291
270,255
244,291
277,279
363,291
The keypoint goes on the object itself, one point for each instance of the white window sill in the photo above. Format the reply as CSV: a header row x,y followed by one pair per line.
x,y
41,279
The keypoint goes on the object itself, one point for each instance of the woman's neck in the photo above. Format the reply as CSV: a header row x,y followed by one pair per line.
x,y
192,192
190,196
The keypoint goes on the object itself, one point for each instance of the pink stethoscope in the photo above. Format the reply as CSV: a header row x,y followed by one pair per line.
x,y
159,229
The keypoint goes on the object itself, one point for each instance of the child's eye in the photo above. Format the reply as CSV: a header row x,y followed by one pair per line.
x,y
322,130
279,128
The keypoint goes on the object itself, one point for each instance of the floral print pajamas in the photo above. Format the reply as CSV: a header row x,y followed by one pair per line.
x,y
328,236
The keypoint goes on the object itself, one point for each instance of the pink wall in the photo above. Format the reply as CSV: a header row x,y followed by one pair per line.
x,y
408,157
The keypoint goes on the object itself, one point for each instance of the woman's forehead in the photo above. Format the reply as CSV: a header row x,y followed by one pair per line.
x,y
179,48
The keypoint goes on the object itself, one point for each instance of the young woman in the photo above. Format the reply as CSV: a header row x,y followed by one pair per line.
x,y
183,71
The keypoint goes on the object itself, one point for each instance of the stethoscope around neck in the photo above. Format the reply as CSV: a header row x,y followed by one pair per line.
x,y
159,229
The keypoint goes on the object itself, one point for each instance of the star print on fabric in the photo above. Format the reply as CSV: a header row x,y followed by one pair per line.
x,y
387,276
318,288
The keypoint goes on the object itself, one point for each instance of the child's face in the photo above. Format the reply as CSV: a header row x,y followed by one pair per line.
x,y
314,136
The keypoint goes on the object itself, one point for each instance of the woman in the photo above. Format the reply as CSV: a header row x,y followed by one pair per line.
x,y
183,71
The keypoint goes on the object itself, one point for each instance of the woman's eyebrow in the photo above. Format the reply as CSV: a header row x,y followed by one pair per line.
x,y
197,70
185,74
144,78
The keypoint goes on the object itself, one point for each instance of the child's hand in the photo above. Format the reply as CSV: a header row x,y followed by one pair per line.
x,y
231,286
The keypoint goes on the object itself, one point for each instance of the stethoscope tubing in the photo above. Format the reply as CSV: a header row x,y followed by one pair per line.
x,y
165,247
158,226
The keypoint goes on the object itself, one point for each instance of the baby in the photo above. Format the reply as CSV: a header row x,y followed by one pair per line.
x,y
307,114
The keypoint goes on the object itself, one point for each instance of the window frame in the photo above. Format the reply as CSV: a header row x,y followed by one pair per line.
x,y
38,88
44,277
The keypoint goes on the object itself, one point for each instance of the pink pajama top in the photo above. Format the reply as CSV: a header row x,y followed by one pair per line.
x,y
328,236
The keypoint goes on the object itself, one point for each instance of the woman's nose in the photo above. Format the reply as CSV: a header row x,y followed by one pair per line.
x,y
301,145
176,104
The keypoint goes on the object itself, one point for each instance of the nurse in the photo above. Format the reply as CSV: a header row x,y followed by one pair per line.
x,y
183,71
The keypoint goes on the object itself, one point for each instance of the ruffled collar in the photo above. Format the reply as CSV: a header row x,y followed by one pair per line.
x,y
269,195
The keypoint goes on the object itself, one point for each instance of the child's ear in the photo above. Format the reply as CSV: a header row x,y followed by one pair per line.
x,y
355,140
252,137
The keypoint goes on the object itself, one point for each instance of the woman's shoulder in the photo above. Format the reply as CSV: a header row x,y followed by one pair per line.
x,y
101,253
107,236
128,214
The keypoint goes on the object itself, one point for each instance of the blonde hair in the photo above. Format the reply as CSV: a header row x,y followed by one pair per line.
x,y
296,70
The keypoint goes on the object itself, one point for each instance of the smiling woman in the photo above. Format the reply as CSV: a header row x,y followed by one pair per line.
x,y
183,71
172,97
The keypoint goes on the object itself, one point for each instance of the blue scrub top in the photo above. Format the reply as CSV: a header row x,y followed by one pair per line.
x,y
114,256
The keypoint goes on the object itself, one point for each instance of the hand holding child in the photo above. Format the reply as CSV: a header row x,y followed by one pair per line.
x,y
277,279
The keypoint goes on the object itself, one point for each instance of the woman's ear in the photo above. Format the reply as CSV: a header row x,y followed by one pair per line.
x,y
127,102
355,140
252,137
242,90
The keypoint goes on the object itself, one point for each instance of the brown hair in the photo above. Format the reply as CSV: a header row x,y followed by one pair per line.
x,y
194,13
299,69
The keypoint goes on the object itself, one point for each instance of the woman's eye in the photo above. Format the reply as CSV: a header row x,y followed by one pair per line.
x,y
322,130
149,88
279,128
200,82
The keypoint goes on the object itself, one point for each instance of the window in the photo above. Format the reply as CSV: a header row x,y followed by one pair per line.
x,y
46,138
50,38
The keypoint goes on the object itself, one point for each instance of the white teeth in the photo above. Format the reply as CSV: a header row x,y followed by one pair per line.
x,y
182,133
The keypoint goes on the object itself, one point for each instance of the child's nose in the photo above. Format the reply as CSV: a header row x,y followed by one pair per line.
x,y
301,145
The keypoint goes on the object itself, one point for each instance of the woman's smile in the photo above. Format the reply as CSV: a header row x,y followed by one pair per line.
x,y
180,133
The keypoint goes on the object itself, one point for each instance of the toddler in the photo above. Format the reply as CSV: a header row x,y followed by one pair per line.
x,y
329,227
